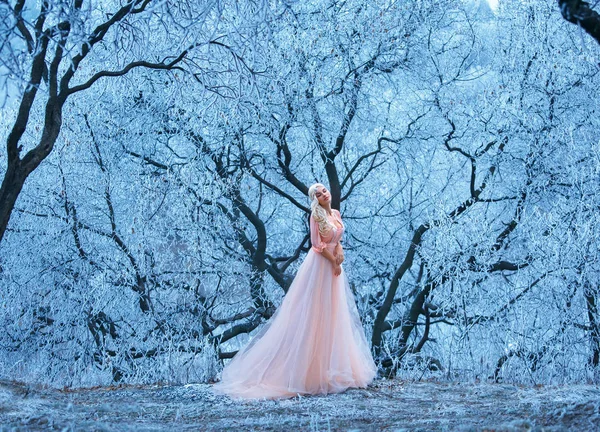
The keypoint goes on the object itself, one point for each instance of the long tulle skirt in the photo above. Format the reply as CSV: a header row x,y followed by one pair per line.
x,y
313,344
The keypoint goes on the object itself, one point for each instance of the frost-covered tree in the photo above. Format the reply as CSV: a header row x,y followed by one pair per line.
x,y
55,50
459,144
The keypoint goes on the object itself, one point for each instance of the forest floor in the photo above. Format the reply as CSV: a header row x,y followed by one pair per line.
x,y
390,405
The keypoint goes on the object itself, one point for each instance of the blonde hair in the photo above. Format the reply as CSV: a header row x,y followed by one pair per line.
x,y
318,212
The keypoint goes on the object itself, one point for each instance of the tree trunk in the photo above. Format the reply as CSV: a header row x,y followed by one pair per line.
x,y
13,182
18,169
581,13
590,295
334,184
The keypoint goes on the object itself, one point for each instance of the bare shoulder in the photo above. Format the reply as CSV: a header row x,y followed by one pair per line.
x,y
337,211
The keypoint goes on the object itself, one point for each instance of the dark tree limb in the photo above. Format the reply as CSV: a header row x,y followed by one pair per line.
x,y
530,358
140,286
581,13
157,66
485,318
18,9
18,169
379,323
236,330
284,155
591,294
425,336
276,189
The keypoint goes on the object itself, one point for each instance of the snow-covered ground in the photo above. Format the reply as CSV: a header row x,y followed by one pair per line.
x,y
386,405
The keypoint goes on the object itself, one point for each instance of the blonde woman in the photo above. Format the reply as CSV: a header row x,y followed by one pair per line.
x,y
314,343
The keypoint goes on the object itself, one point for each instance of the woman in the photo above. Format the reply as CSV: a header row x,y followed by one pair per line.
x,y
314,343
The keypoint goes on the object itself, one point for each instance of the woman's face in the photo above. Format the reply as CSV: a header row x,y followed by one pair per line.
x,y
323,196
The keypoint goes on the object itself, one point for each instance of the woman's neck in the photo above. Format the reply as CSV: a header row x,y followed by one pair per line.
x,y
327,208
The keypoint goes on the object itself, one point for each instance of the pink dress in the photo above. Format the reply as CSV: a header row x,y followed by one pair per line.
x,y
313,344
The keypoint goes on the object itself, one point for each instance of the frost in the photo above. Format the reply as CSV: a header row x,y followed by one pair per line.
x,y
385,405
166,223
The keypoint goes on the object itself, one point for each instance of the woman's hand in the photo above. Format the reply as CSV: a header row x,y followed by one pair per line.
x,y
339,259
337,270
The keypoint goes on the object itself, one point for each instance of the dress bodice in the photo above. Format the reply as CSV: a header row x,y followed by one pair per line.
x,y
335,235
329,239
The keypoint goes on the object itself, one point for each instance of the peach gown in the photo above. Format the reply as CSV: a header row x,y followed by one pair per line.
x,y
314,343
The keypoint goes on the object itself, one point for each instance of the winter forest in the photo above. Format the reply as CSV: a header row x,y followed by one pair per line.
x,y
158,154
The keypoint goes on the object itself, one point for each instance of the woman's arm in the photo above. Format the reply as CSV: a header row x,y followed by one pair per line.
x,y
320,247
330,257
338,252
334,261
337,270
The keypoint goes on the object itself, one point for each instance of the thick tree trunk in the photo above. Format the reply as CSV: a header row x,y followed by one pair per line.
x,y
334,184
12,184
19,169
580,13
